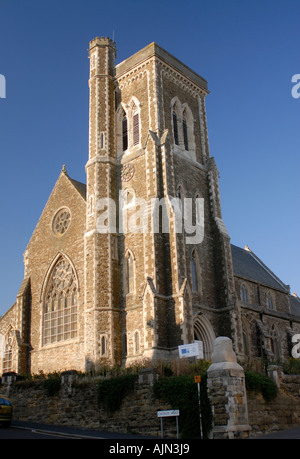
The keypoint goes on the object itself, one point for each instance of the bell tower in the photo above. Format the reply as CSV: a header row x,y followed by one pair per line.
x,y
102,314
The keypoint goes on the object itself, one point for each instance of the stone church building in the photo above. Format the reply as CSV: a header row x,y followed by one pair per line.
x,y
96,295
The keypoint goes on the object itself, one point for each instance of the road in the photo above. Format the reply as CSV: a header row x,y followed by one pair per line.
x,y
27,430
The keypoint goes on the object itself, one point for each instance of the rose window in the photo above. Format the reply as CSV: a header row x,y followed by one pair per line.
x,y
61,222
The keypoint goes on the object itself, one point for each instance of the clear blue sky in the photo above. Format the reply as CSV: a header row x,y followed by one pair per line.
x,y
247,50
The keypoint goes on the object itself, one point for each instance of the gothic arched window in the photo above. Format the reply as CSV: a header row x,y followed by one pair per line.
x,y
128,126
244,294
9,351
60,304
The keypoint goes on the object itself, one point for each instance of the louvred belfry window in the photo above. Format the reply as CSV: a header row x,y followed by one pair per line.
x,y
136,129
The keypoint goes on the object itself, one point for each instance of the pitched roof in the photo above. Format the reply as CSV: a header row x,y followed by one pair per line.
x,y
247,264
295,305
80,187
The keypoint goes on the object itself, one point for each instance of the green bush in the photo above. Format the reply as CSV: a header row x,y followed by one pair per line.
x,y
182,394
259,383
292,367
111,391
52,384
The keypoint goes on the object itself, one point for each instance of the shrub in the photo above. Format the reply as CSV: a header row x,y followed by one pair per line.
x,y
52,384
181,393
292,367
259,383
111,391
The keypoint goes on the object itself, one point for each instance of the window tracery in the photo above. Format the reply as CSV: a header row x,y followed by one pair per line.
x,y
244,294
128,125
60,304
61,222
183,128
9,351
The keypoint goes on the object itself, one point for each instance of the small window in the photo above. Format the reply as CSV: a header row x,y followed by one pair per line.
x,y
124,344
125,132
244,294
102,140
270,303
137,342
185,134
128,199
175,128
194,273
103,345
129,273
136,129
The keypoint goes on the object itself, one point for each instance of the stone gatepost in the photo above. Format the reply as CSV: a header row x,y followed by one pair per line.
x,y
227,392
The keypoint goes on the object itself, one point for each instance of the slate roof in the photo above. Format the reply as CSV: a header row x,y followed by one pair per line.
x,y
247,264
295,305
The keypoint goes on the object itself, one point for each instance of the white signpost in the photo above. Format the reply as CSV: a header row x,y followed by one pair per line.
x,y
193,350
168,414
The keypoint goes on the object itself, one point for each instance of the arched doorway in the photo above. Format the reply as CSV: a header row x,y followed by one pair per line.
x,y
204,332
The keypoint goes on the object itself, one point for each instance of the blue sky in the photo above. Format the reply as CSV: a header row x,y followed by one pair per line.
x,y
247,50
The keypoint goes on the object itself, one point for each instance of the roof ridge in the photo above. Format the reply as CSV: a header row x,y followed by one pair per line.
x,y
80,186
266,268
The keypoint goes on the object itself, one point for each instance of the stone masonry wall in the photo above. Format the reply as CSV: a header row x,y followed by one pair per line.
x,y
76,405
280,414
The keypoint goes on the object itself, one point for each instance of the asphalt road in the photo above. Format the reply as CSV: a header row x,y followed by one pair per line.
x,y
21,434
27,430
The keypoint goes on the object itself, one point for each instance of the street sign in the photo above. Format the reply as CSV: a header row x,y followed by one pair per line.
x,y
167,413
197,379
191,350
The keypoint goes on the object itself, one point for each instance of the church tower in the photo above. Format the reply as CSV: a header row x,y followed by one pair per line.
x,y
102,314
